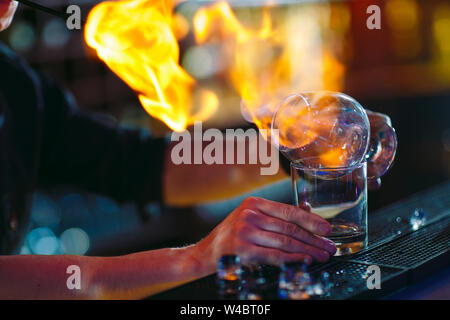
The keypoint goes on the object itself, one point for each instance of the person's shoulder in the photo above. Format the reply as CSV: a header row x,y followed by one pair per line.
x,y
20,87
15,68
6,53
7,56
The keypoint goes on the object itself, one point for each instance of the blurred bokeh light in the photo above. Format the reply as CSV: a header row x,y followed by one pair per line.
x,y
75,241
22,36
43,241
55,33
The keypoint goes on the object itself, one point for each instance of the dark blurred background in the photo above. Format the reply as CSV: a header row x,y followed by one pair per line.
x,y
402,70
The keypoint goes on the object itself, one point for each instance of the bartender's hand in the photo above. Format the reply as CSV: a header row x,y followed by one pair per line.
x,y
375,117
263,231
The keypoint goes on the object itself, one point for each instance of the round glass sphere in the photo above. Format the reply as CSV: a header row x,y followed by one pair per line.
x,y
321,130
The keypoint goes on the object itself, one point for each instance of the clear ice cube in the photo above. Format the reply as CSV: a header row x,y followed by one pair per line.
x,y
418,219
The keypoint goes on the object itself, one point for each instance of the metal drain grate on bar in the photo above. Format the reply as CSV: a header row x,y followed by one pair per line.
x,y
412,249
350,282
393,221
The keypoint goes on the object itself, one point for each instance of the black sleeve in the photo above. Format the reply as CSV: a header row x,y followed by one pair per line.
x,y
89,151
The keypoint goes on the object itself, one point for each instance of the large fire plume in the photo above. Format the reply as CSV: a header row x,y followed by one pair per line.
x,y
268,63
138,40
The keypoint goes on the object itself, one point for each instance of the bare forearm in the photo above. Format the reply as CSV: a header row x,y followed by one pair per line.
x,y
189,184
131,276
142,274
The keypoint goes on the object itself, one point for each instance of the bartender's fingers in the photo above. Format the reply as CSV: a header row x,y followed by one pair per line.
x,y
305,206
311,222
377,116
285,243
258,254
292,230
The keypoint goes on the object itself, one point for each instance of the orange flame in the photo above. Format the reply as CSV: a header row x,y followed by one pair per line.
x,y
244,49
136,39
268,64
272,62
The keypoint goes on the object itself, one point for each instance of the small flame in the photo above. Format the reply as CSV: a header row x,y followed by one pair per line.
x,y
137,40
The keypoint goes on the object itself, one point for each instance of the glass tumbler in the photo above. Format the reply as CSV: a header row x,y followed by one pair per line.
x,y
338,195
